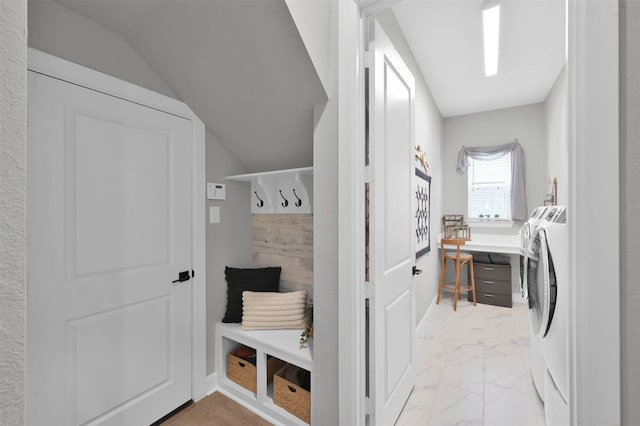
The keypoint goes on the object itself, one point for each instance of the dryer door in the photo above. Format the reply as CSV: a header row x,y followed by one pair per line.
x,y
541,283
525,235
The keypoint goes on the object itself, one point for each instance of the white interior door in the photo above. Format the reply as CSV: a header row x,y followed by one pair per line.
x,y
109,229
392,367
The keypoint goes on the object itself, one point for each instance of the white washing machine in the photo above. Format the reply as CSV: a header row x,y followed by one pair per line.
x,y
547,283
538,366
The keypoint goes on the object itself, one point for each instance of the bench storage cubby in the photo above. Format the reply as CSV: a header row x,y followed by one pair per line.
x,y
275,351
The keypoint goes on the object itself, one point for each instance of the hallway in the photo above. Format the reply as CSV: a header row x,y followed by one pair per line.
x,y
473,369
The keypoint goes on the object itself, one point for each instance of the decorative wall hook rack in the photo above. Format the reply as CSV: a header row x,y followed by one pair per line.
x,y
286,202
269,189
298,203
260,202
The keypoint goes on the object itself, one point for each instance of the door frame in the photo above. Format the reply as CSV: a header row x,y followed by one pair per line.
x,y
592,117
62,69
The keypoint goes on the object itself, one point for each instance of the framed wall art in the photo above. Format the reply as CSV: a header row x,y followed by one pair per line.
x,y
423,213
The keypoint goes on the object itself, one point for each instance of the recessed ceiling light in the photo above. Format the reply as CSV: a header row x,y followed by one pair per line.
x,y
491,30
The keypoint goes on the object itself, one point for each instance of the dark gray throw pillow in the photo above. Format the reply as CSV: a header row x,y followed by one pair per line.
x,y
239,280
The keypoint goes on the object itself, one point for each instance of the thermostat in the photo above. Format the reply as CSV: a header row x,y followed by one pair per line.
x,y
216,191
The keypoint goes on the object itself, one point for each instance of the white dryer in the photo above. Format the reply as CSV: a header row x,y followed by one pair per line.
x,y
547,281
538,365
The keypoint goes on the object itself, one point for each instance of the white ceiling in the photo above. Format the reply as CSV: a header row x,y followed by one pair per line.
x,y
244,70
240,65
445,37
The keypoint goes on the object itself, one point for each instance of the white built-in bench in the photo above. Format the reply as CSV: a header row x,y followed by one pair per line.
x,y
282,344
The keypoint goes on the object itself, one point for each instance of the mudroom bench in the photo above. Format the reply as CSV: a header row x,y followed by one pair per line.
x,y
254,385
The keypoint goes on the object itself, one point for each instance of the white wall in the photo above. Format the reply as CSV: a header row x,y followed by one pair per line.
x,y
555,112
319,34
429,136
13,138
526,123
59,31
313,20
228,242
630,209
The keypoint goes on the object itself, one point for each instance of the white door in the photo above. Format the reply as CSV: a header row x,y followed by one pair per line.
x,y
392,336
109,229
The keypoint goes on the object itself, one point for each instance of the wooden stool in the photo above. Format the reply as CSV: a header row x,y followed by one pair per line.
x,y
460,259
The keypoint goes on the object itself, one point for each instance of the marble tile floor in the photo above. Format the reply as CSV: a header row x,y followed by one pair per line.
x,y
473,369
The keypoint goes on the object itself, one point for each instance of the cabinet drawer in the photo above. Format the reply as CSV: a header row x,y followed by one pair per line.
x,y
492,299
492,272
493,286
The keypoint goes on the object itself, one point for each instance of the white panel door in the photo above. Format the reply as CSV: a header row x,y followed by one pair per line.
x,y
392,246
109,229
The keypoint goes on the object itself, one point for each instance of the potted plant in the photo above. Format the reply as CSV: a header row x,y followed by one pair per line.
x,y
308,330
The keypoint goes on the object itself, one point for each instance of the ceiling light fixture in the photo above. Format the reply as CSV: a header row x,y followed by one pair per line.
x,y
491,30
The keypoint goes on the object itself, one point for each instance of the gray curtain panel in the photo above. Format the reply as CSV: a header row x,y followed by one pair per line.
x,y
518,194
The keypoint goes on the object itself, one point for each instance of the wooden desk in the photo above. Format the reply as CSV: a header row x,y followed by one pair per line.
x,y
497,244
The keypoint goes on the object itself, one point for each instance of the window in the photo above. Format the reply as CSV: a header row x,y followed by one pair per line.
x,y
489,189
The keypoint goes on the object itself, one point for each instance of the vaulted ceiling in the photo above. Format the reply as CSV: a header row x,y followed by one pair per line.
x,y
243,68
240,65
446,39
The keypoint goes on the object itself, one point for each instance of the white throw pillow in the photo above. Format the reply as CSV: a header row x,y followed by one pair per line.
x,y
273,311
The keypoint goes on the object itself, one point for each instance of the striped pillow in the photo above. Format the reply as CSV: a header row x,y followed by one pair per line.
x,y
273,311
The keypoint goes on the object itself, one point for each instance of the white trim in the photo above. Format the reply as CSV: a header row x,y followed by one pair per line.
x,y
422,325
274,173
61,69
517,298
371,7
593,152
199,259
212,383
351,177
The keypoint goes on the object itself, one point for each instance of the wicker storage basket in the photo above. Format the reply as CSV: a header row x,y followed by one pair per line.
x,y
242,372
290,396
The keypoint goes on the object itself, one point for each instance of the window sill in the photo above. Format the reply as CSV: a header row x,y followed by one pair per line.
x,y
490,223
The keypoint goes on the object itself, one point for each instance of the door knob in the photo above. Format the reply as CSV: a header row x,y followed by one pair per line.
x,y
182,276
416,271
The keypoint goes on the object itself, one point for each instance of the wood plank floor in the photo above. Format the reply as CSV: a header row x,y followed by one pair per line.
x,y
216,410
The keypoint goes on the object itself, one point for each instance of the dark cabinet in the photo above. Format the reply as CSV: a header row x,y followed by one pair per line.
x,y
493,284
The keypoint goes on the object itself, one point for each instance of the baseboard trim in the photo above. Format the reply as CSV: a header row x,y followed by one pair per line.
x,y
517,298
422,325
211,383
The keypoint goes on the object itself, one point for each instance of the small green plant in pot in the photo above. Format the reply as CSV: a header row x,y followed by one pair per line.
x,y
308,330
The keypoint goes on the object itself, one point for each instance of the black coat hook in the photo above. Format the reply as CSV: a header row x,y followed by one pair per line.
x,y
286,202
261,203
299,202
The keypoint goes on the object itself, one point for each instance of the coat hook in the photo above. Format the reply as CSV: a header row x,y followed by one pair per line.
x,y
261,203
299,202
286,202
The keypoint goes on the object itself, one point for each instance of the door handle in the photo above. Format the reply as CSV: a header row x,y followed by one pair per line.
x,y
416,271
182,276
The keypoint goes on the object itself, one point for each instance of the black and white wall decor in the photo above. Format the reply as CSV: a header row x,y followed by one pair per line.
x,y
423,213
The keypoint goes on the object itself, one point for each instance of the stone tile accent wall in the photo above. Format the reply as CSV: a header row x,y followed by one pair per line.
x,y
285,240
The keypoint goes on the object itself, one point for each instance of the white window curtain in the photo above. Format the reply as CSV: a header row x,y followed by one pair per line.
x,y
518,194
